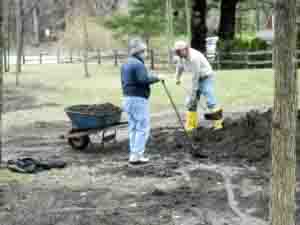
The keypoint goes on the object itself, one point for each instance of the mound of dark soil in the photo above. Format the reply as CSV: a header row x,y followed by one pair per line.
x,y
244,140
247,138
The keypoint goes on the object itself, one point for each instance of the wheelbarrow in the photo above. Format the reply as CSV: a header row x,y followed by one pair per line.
x,y
101,120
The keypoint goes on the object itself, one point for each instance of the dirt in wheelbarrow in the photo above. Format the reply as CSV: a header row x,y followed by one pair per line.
x,y
96,109
178,186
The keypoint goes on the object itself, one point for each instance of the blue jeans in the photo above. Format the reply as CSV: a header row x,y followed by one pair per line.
x,y
138,111
205,88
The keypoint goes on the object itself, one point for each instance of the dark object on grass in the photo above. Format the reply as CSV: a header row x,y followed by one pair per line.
x,y
30,165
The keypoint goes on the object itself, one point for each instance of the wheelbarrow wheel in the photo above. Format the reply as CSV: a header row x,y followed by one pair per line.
x,y
78,143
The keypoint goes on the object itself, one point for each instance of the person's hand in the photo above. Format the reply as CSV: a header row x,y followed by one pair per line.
x,y
161,77
178,82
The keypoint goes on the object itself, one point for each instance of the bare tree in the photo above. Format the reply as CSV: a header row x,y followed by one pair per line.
x,y
80,11
36,25
5,21
86,45
284,115
22,13
19,13
8,30
188,20
1,72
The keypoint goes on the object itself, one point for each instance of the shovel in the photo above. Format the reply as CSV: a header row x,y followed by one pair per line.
x,y
188,138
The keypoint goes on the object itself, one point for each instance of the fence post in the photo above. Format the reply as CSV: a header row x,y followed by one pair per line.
x,y
58,56
247,59
8,59
152,59
297,56
99,56
79,56
41,56
71,55
116,57
4,55
218,55
24,60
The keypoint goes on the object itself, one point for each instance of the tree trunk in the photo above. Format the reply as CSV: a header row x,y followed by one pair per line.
x,y
4,29
283,141
4,39
198,23
86,47
257,16
9,37
227,19
20,37
36,26
1,74
170,29
188,20
8,8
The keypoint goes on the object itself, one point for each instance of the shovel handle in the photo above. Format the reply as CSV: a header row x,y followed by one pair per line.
x,y
173,104
177,113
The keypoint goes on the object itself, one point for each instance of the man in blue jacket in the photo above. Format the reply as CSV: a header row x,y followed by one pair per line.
x,y
136,82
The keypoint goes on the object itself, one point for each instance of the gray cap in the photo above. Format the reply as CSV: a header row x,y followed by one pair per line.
x,y
136,45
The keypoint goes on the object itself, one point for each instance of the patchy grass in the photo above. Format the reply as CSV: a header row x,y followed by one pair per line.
x,y
66,85
7,176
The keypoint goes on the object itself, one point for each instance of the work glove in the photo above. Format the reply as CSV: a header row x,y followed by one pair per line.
x,y
178,81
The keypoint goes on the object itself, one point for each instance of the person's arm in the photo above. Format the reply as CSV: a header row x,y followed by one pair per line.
x,y
179,71
153,78
144,77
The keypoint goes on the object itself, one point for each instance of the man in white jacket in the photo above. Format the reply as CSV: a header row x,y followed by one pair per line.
x,y
202,84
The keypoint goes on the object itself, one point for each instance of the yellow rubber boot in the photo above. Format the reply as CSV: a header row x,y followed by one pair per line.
x,y
217,124
191,120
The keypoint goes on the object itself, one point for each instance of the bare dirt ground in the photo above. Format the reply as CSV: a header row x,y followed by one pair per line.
x,y
224,181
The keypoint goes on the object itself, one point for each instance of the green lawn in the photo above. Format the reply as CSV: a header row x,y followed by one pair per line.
x,y
67,86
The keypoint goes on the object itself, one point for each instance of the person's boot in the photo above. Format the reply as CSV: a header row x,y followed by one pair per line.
x,y
216,116
218,124
191,120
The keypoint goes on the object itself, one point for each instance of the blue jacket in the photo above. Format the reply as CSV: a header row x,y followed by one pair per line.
x,y
136,80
